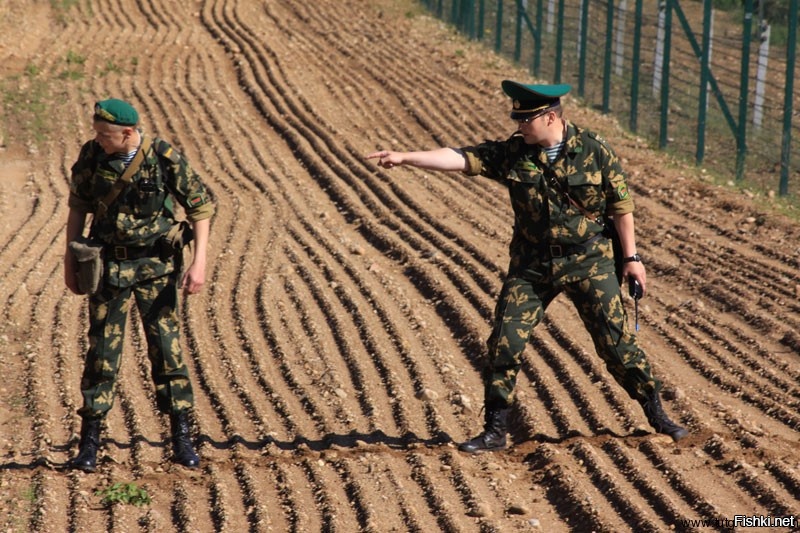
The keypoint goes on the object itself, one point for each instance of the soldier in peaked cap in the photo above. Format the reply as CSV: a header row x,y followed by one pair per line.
x,y
562,181
129,183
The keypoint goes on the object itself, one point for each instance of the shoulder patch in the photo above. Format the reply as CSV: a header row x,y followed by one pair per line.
x,y
165,150
622,191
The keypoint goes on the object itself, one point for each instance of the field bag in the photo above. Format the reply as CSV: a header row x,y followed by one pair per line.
x,y
89,254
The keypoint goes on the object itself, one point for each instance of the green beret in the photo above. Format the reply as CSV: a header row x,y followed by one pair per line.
x,y
116,111
532,99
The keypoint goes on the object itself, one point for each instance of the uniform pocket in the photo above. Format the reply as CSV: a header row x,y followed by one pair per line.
x,y
586,189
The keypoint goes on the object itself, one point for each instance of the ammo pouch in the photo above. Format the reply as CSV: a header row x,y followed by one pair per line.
x,y
610,231
178,236
89,254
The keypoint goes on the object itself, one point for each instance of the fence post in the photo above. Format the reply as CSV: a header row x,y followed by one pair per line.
x,y
498,37
637,45
619,41
741,141
761,73
559,40
658,60
518,41
662,133
783,187
582,51
705,59
481,16
607,57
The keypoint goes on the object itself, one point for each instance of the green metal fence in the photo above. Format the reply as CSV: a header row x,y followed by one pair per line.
x,y
702,82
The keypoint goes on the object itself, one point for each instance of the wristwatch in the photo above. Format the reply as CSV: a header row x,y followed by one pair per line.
x,y
631,259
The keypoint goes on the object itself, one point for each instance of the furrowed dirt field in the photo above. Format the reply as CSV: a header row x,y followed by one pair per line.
x,y
336,349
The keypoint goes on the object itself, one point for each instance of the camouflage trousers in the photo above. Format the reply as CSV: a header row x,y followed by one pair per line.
x,y
521,307
157,302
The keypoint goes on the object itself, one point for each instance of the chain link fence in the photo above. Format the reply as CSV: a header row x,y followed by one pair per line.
x,y
671,70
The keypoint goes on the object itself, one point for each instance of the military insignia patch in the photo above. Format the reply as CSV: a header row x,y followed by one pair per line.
x,y
196,200
526,165
622,191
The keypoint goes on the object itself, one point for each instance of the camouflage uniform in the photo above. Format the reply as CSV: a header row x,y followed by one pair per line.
x,y
140,215
550,254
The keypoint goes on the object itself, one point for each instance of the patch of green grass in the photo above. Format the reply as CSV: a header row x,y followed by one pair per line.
x,y
24,100
75,58
110,67
124,493
61,10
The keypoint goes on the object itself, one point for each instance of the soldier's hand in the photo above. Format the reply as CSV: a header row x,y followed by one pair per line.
x,y
387,158
194,278
635,270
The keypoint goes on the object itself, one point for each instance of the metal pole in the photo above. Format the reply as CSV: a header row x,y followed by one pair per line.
x,y
607,58
662,134
518,41
582,60
537,53
559,40
498,32
637,44
481,17
741,144
783,188
704,75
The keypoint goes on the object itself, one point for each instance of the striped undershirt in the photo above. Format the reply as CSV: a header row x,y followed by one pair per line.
x,y
552,151
127,158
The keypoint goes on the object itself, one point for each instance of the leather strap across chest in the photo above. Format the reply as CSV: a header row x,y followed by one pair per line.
x,y
122,181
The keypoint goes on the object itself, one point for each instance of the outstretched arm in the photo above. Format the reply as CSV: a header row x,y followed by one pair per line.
x,y
438,159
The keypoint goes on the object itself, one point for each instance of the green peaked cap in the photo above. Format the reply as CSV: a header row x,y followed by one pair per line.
x,y
531,99
116,111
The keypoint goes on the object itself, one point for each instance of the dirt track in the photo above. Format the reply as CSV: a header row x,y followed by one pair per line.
x,y
337,347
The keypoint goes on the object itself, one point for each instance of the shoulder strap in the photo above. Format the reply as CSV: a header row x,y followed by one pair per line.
x,y
123,180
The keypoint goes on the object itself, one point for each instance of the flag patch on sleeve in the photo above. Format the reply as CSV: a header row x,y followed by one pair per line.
x,y
196,200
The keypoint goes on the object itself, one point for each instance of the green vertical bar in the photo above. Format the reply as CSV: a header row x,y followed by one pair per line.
x,y
741,141
439,9
481,17
607,58
584,34
498,37
537,53
518,40
791,45
454,12
637,45
704,75
662,133
559,41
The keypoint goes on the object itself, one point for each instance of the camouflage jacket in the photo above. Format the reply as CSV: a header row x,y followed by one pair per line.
x,y
587,170
144,210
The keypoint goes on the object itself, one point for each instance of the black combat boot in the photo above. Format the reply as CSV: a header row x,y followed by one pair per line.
x,y
182,450
659,419
86,459
494,432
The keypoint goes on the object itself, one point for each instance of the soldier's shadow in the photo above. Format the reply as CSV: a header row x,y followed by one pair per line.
x,y
350,440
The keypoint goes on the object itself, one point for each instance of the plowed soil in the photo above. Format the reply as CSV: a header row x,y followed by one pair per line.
x,y
336,349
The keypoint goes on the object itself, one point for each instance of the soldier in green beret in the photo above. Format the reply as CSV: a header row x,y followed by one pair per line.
x,y
132,224
562,181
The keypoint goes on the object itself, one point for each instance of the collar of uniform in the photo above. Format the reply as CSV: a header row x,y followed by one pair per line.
x,y
574,143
